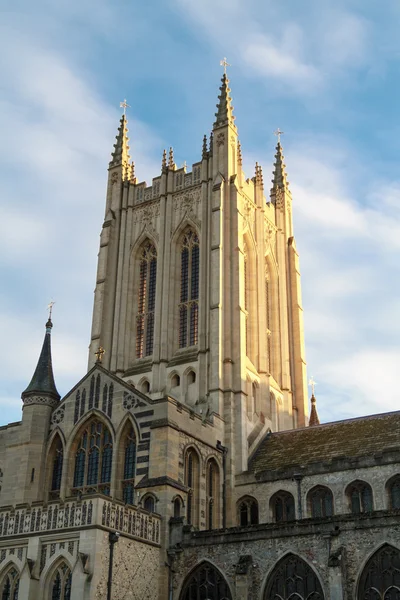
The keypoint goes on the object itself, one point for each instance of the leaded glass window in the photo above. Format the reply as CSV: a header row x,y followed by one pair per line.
x,y
359,494
282,504
248,511
394,493
206,583
380,579
57,466
191,481
189,294
149,504
10,585
320,501
146,300
61,583
94,459
128,483
293,579
213,492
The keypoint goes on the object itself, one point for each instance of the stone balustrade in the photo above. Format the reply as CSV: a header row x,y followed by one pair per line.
x,y
94,511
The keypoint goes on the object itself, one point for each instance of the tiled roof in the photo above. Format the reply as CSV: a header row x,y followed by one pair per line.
x,y
353,438
42,381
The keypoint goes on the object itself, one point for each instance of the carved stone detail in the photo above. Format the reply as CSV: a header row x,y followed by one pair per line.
x,y
146,214
220,139
114,178
58,416
131,401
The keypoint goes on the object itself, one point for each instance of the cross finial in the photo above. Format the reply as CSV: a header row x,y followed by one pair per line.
x,y
50,307
312,383
224,63
278,133
124,105
99,354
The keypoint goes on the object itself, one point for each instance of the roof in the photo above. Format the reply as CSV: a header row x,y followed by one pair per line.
x,y
353,438
42,381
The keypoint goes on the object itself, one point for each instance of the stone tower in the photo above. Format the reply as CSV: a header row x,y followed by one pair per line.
x,y
198,287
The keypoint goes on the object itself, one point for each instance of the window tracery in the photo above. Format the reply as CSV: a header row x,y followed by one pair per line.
x,y
394,493
93,459
282,504
61,583
206,583
293,579
320,501
10,586
381,575
146,300
191,481
189,294
248,511
213,493
359,495
128,483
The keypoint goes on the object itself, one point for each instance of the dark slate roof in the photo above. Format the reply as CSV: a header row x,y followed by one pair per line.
x,y
353,438
42,381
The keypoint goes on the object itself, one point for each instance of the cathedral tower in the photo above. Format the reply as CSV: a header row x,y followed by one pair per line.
x,y
198,287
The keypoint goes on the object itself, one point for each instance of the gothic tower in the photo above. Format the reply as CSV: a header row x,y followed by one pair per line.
x,y
198,288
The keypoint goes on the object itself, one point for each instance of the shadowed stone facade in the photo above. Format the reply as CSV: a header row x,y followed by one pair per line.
x,y
189,435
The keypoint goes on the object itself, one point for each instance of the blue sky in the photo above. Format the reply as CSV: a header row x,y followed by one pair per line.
x,y
326,72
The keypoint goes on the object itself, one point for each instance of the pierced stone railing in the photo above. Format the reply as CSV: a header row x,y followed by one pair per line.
x,y
74,514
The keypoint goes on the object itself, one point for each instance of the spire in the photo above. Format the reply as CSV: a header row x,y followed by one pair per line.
x,y
204,152
314,419
171,160
239,153
224,106
164,162
42,382
279,180
120,155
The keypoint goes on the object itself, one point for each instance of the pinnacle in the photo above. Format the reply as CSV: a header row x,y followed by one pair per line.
x,y
42,381
239,153
210,152
171,160
204,151
279,180
164,161
314,419
224,114
120,155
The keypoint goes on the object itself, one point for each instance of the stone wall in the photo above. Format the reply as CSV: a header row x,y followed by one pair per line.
x,y
135,573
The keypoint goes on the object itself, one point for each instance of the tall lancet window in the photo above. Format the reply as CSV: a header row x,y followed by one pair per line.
x,y
189,297
268,315
146,300
246,296
93,459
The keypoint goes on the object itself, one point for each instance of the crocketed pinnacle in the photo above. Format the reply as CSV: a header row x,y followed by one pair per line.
x,y
224,107
239,153
120,155
171,160
210,152
279,175
259,175
132,177
42,382
314,419
204,153
164,162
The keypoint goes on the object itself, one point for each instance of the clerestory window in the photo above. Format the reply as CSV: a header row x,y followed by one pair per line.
x,y
189,293
146,300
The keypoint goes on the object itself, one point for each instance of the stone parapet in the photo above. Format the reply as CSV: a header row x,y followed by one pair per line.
x,y
91,512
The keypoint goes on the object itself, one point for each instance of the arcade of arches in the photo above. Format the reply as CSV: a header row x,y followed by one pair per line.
x,y
293,578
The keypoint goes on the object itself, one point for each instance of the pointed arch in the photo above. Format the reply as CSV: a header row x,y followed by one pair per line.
x,y
192,481
359,497
393,492
58,582
9,583
282,506
125,461
380,575
320,502
292,578
213,492
249,282
247,511
271,296
145,267
205,581
189,250
55,464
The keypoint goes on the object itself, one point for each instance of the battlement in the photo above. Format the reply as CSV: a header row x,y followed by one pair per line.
x,y
181,180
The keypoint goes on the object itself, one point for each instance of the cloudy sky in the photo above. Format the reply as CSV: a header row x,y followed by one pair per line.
x,y
327,72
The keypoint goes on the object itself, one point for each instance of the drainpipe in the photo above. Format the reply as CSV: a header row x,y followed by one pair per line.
x,y
224,451
298,477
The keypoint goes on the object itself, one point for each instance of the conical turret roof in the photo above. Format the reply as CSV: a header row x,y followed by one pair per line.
x,y
314,419
42,381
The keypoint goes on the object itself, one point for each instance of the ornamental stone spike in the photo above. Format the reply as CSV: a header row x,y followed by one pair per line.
x,y
164,162
279,175
120,155
239,153
224,114
204,154
171,160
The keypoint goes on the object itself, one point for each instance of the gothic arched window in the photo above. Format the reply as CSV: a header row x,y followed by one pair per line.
x,y
189,294
10,585
205,582
320,502
191,480
359,495
94,459
282,504
380,578
146,300
212,492
61,583
58,457
292,578
268,317
246,296
149,503
128,482
248,511
394,492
